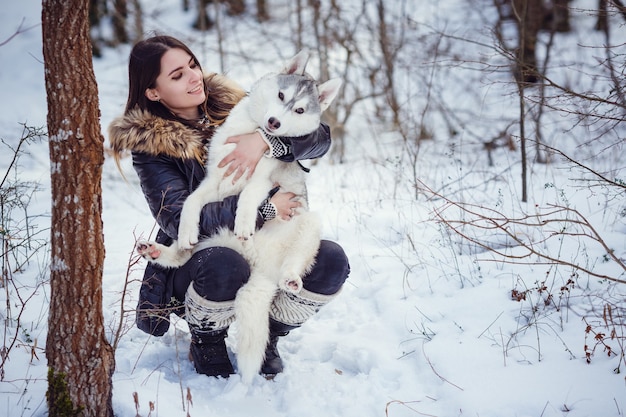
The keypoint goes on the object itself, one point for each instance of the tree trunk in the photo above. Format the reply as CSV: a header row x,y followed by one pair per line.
x,y
388,49
529,15
80,360
261,11
602,24
236,7
120,15
97,10
203,21
560,16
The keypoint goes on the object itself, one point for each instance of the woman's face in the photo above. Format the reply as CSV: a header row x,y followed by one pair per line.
x,y
180,85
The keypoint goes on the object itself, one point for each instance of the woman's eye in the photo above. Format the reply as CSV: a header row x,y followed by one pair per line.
x,y
177,77
299,110
281,96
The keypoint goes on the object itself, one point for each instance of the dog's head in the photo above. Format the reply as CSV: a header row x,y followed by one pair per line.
x,y
291,102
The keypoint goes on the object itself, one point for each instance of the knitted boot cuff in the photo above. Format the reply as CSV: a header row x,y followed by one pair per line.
x,y
207,315
295,309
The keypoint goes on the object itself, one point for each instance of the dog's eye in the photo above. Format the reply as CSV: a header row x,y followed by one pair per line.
x,y
299,110
281,96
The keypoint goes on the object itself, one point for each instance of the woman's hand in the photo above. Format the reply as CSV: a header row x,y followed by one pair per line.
x,y
286,204
247,154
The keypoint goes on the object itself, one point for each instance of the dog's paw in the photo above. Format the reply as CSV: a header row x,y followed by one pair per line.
x,y
148,250
244,230
186,244
187,236
291,285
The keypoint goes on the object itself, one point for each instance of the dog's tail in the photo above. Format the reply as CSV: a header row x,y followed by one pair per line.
x,y
252,306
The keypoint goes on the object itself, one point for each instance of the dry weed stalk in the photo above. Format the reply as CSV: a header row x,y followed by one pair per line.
x,y
136,402
606,333
189,399
406,404
122,328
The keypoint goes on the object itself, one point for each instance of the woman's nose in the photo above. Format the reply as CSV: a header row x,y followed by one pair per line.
x,y
194,75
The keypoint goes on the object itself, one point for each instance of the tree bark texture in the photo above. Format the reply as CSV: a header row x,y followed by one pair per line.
x,y
76,347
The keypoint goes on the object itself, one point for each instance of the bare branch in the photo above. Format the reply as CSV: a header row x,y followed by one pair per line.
x,y
19,30
570,223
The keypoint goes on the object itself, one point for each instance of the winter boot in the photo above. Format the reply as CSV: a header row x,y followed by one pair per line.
x,y
287,312
273,363
208,322
208,353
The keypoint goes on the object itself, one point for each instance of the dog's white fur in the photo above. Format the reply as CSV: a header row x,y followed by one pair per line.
x,y
281,252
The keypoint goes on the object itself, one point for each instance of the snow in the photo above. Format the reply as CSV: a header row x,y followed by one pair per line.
x,y
425,325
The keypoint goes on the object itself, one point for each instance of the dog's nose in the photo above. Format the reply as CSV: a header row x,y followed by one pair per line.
x,y
274,123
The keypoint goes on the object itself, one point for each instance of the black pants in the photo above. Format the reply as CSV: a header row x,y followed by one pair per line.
x,y
217,273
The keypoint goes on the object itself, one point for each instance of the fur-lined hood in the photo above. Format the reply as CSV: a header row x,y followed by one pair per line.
x,y
141,131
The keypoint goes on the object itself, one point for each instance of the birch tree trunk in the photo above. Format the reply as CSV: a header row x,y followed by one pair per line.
x,y
80,360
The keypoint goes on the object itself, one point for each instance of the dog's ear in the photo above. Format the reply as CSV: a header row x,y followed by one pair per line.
x,y
297,64
328,91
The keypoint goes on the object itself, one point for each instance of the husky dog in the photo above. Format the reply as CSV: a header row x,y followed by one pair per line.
x,y
289,104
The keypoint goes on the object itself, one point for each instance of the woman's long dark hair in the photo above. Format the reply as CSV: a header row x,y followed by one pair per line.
x,y
144,67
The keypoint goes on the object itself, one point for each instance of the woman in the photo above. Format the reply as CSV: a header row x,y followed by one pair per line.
x,y
171,113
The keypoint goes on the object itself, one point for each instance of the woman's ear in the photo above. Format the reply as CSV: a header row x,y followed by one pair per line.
x,y
151,94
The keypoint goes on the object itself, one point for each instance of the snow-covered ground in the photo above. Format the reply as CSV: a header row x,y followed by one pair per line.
x,y
425,324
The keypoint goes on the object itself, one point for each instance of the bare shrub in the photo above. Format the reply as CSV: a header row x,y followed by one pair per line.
x,y
22,240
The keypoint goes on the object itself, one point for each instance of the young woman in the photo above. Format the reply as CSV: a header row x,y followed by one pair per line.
x,y
172,110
